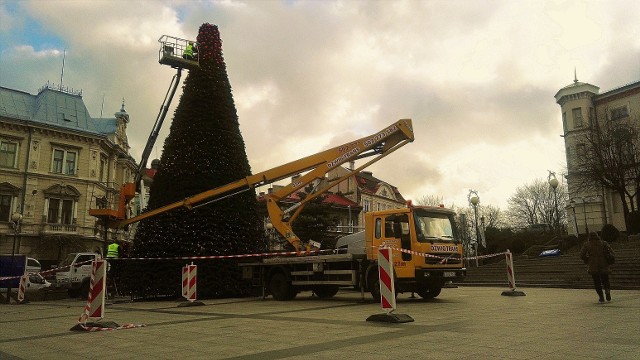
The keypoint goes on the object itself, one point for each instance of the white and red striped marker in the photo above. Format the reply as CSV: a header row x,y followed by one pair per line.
x,y
22,288
190,291
385,273
387,290
185,281
97,290
511,277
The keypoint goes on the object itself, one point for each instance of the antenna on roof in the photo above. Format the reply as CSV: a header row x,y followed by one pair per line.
x,y
64,55
102,108
575,75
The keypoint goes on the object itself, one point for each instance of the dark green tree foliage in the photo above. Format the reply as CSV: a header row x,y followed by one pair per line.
x,y
204,150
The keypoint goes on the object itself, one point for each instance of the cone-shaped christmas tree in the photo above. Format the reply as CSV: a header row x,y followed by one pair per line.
x,y
204,150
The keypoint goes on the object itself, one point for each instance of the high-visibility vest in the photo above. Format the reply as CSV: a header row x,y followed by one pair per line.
x,y
112,250
189,50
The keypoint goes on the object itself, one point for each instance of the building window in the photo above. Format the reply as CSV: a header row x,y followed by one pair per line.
x,y
366,205
103,169
5,207
577,117
60,211
64,162
564,121
619,113
8,154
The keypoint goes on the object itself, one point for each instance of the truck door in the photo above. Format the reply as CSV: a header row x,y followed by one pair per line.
x,y
401,229
83,270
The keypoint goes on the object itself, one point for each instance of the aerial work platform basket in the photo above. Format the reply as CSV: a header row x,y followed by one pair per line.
x,y
172,52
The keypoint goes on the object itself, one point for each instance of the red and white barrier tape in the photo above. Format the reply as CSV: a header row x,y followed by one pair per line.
x,y
204,257
99,328
443,257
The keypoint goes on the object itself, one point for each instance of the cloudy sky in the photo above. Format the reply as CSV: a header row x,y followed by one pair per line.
x,y
476,76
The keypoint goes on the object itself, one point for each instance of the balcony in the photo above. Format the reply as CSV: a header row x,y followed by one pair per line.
x,y
60,228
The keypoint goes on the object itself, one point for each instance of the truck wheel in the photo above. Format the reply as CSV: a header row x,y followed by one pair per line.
x,y
280,288
84,289
374,285
326,291
73,293
428,291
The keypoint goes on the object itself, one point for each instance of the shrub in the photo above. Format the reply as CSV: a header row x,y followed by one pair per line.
x,y
633,223
609,233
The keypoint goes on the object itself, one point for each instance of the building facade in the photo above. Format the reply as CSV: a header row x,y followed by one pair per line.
x,y
369,192
57,162
584,109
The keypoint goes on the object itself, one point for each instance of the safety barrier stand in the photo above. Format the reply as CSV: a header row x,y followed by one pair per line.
x,y
511,277
21,290
189,284
387,290
96,301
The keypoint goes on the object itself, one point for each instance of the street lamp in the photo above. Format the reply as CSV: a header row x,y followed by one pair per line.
x,y
16,218
553,182
474,200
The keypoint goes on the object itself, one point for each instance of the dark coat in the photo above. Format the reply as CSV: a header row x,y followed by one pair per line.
x,y
593,253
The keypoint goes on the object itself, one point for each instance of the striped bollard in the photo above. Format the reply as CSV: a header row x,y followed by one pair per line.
x,y
190,285
22,288
511,277
185,281
95,301
387,290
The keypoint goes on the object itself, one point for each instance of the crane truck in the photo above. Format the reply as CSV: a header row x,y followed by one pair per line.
x,y
426,237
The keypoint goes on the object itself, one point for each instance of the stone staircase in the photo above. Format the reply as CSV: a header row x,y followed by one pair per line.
x,y
565,271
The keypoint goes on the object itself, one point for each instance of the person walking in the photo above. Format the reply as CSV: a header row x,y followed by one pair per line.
x,y
597,254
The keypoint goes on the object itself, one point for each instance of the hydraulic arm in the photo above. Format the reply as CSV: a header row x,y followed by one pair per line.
x,y
316,166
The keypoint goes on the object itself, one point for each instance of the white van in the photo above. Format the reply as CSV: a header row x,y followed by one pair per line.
x,y
33,266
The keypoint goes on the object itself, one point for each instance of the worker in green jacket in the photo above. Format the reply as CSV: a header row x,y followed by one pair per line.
x,y
113,250
190,52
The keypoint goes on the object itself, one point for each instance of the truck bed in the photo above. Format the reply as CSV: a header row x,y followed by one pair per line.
x,y
305,259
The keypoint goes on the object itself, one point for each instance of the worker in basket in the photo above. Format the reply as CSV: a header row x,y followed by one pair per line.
x,y
191,51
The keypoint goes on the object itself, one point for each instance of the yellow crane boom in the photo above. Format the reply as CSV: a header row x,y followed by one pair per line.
x,y
377,146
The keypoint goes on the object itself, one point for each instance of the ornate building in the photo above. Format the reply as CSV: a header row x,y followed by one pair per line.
x,y
369,192
584,109
57,162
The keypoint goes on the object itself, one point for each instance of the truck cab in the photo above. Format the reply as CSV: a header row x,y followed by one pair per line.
x,y
430,251
75,273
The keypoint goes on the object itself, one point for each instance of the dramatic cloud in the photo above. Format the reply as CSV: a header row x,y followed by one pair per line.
x,y
476,77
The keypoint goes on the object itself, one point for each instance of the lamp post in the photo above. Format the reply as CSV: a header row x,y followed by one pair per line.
x,y
584,212
474,200
553,182
572,204
16,218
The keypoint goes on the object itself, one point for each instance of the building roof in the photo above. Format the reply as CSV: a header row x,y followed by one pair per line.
x,y
620,91
54,107
370,184
339,200
575,88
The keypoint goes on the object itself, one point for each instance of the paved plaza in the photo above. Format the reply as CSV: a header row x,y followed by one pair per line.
x,y
463,323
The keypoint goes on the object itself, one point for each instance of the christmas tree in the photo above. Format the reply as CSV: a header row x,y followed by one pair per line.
x,y
204,150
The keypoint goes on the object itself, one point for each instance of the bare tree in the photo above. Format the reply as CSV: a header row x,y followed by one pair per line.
x,y
536,203
430,200
610,158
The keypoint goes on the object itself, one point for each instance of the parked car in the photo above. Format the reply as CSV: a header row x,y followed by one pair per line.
x,y
35,282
